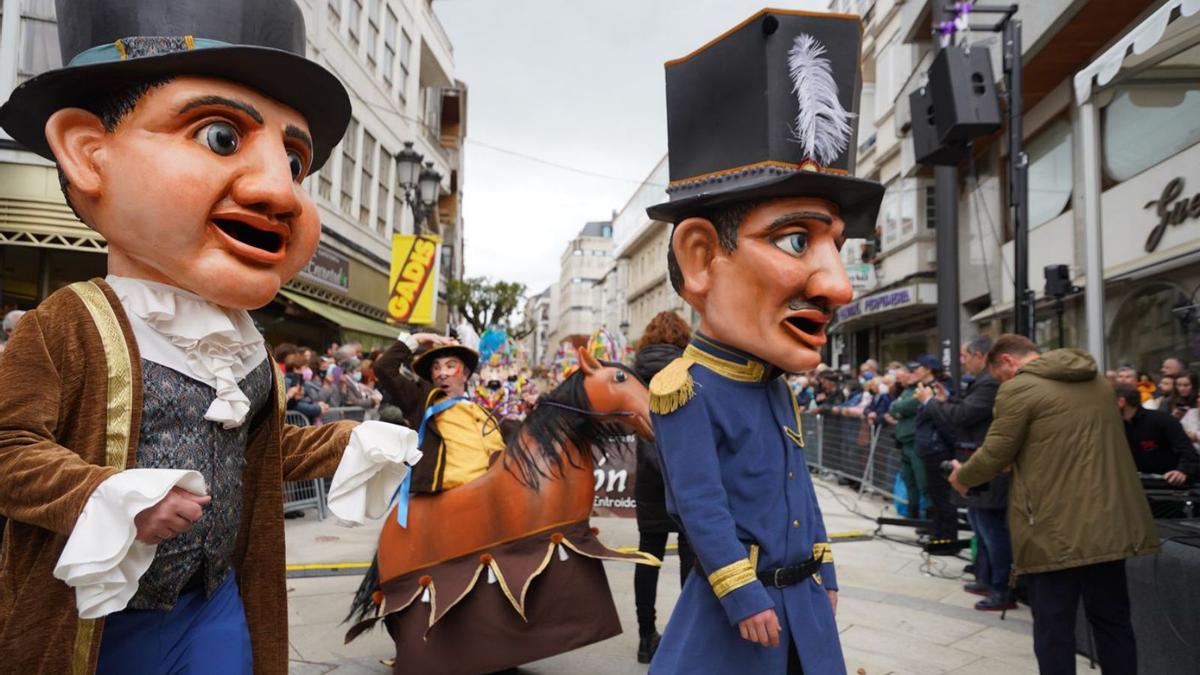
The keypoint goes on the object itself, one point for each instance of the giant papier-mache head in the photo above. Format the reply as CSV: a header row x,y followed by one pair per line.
x,y
182,131
761,127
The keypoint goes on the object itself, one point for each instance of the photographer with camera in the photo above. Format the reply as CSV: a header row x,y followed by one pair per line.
x,y
1077,506
967,422
935,446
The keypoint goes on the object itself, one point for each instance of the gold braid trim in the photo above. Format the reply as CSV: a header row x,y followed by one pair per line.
x,y
823,552
672,387
751,371
117,426
732,577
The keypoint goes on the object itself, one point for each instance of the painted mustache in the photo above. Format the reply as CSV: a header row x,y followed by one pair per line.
x,y
804,304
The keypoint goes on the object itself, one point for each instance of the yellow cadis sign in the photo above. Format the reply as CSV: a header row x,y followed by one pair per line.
x,y
414,279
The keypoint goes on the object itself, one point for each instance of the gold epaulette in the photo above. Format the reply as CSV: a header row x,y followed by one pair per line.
x,y
672,387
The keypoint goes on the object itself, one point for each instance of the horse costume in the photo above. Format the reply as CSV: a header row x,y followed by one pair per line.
x,y
508,563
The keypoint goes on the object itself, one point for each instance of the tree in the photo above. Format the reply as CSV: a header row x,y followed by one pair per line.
x,y
485,303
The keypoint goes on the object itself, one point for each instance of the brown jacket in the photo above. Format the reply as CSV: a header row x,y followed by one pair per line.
x,y
1075,498
64,415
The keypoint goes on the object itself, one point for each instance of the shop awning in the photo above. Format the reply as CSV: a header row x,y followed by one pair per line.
x,y
1140,40
891,305
342,317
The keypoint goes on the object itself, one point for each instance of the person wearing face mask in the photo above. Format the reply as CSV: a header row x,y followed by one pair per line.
x,y
425,375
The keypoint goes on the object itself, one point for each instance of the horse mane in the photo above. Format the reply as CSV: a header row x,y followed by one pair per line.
x,y
550,432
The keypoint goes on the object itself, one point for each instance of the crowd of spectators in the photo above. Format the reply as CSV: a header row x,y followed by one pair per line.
x,y
340,378
931,423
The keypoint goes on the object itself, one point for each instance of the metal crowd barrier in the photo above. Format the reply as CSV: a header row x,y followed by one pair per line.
x,y
852,448
300,495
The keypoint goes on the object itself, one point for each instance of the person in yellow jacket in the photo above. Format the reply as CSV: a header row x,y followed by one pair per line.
x,y
425,375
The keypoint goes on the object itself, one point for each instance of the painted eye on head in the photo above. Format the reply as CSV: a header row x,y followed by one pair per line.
x,y
795,243
220,137
620,376
296,162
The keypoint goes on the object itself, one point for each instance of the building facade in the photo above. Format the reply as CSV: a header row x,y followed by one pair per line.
x,y
642,245
537,315
1142,162
397,64
584,264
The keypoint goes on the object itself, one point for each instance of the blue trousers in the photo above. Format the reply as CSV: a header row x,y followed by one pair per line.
x,y
995,546
197,637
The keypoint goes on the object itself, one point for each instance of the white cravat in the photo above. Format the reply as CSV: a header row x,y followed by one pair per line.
x,y
206,342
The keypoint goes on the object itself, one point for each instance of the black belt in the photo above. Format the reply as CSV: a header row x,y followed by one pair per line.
x,y
782,577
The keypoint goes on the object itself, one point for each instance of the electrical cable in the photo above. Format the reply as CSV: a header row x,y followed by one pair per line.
x,y
507,151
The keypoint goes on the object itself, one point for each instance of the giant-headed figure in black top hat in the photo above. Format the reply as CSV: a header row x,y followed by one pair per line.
x,y
761,124
144,459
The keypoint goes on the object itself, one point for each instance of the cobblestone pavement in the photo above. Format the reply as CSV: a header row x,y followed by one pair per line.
x,y
897,614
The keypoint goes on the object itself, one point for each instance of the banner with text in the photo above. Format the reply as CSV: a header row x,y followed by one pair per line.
x,y
615,477
414,279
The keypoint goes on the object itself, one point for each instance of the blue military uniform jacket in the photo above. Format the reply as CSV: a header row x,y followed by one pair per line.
x,y
728,433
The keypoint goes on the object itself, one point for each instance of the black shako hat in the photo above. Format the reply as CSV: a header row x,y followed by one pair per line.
x,y
109,44
769,109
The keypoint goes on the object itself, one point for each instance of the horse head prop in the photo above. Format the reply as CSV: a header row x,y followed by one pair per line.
x,y
590,414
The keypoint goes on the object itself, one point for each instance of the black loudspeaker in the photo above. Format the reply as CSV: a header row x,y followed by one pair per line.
x,y
926,147
1058,281
964,94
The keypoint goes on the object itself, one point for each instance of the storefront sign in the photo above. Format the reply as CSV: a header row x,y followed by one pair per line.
x,y
414,279
879,302
328,267
1171,210
862,276
615,477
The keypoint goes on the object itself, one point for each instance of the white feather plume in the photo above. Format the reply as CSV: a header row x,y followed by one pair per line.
x,y
822,125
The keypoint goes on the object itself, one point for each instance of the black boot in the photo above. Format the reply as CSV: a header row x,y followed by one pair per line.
x,y
647,645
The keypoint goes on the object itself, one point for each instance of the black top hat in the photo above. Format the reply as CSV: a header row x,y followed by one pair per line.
x,y
423,364
768,109
108,44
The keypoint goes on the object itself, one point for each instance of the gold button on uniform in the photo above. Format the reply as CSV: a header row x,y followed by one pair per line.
x,y
795,523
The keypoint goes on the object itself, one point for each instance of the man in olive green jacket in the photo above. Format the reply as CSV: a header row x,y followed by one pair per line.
x,y
1076,508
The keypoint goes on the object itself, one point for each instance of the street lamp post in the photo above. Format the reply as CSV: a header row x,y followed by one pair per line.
x,y
419,183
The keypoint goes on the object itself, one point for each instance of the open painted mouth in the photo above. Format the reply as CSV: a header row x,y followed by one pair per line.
x,y
807,326
263,240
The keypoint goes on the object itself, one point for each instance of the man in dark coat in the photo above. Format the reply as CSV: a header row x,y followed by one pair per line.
x,y
654,524
935,447
967,421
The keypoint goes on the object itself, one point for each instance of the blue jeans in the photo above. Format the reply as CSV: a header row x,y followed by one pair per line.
x,y
995,546
198,636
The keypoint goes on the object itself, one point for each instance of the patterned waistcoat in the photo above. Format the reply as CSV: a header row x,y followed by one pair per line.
x,y
175,435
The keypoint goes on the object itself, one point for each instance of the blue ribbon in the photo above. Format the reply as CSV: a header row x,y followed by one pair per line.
x,y
402,493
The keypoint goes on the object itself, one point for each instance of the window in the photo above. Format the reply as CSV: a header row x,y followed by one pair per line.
x,y
325,182
1172,111
353,14
391,27
368,179
38,41
1050,172
386,167
405,60
433,110
349,142
373,7
335,13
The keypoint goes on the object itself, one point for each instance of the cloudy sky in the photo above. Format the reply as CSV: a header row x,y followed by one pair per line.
x,y
573,83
